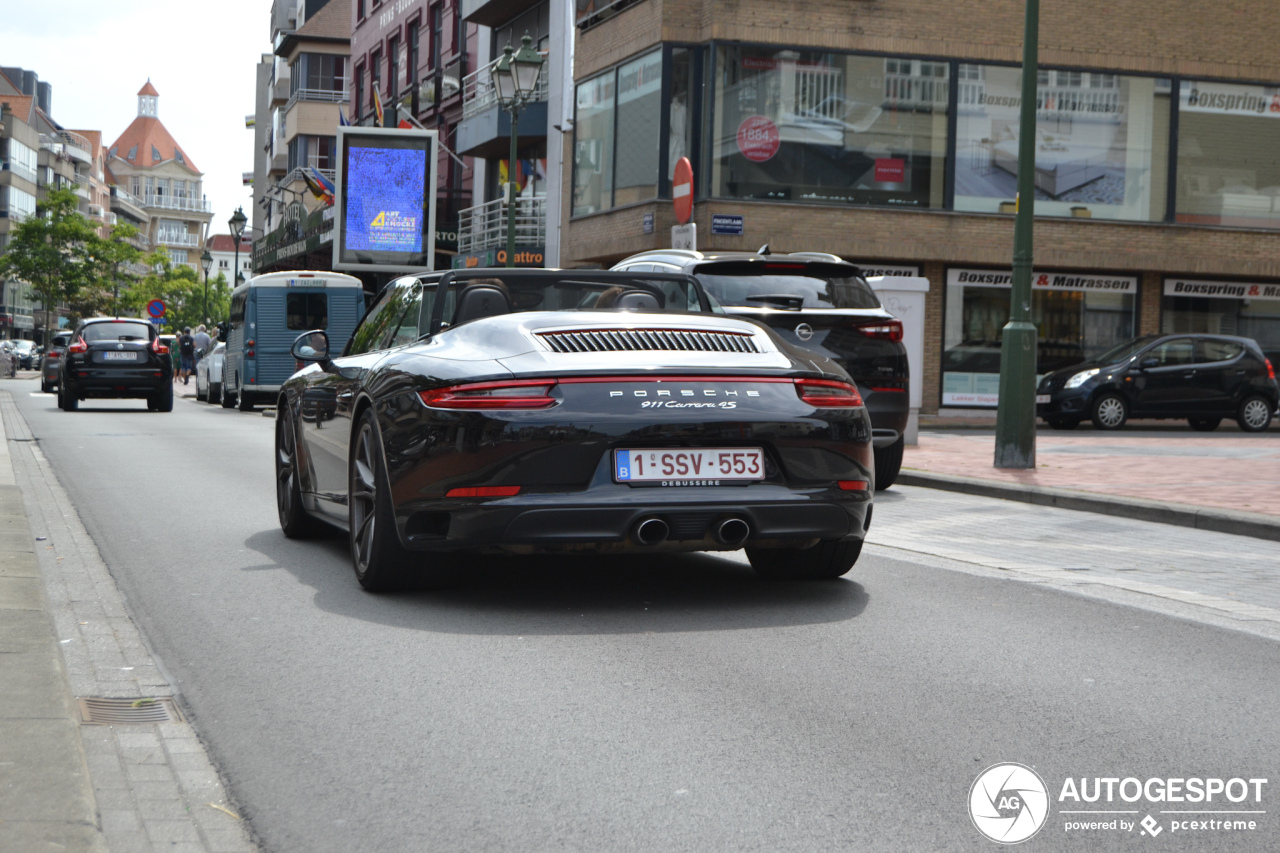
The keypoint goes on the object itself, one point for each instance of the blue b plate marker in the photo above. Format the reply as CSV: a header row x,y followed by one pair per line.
x,y
623,464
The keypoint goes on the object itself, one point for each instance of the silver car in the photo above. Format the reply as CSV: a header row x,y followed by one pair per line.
x,y
53,356
208,369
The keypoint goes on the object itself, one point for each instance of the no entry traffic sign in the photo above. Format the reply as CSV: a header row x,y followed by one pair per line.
x,y
155,308
682,190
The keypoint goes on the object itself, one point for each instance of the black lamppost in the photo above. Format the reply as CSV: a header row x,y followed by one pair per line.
x,y
206,261
516,77
237,221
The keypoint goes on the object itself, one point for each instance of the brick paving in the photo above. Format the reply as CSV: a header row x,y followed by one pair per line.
x,y
1228,470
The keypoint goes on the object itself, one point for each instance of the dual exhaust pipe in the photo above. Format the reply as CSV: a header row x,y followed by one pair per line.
x,y
654,531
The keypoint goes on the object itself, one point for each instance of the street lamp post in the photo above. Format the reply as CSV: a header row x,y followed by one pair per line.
x,y
516,77
1016,412
206,261
237,221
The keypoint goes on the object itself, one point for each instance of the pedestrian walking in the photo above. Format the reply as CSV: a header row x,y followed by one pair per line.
x,y
202,342
187,350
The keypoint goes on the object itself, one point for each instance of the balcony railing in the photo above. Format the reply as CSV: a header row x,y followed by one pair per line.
x,y
175,238
479,92
485,226
324,96
176,202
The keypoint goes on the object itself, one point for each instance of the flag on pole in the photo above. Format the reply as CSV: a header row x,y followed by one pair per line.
x,y
320,186
377,106
342,119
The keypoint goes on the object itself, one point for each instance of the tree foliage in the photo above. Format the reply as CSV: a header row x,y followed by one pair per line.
x,y
52,251
109,274
180,288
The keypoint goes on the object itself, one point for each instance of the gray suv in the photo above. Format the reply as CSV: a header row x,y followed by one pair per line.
x,y
818,302
53,356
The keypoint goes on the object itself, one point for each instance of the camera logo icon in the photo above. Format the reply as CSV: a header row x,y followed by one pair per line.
x,y
1008,803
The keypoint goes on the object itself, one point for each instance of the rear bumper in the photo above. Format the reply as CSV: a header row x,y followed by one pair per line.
x,y
889,411
568,523
98,382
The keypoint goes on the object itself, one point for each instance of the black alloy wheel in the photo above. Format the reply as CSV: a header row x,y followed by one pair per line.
x,y
295,521
1063,423
825,561
888,463
1204,424
377,556
1110,412
1254,414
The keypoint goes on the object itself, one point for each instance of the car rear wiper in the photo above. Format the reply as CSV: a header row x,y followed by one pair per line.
x,y
783,300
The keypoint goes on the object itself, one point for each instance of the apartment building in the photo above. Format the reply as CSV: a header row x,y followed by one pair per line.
x,y
887,134
36,155
485,134
160,178
418,54
302,95
222,248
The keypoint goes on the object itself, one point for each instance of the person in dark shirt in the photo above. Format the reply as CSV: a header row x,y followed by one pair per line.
x,y
187,350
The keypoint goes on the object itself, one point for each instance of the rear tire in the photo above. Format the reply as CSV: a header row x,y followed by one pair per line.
x,y
164,400
67,402
1063,423
295,521
1110,412
888,463
244,402
1254,414
228,399
1204,424
214,395
825,561
377,556
201,397
46,387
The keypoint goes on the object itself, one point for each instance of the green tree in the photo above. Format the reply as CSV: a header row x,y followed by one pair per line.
x,y
176,285
52,251
109,275
219,299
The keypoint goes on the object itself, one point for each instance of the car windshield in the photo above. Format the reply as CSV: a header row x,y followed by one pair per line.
x,y
786,285
116,332
528,290
1125,350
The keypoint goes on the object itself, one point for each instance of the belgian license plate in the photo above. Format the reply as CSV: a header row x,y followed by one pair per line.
x,y
1043,398
703,466
120,356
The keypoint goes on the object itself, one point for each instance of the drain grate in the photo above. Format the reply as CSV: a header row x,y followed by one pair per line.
x,y
126,712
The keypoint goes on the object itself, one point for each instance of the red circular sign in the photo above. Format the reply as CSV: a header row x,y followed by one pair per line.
x,y
758,139
682,190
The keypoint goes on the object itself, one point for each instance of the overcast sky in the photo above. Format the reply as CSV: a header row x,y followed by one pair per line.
x,y
200,57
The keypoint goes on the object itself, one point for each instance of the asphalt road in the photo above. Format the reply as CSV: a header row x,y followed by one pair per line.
x,y
631,704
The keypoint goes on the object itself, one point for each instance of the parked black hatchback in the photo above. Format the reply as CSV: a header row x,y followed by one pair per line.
x,y
116,357
1203,378
819,302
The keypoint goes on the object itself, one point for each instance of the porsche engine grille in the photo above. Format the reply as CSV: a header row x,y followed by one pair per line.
x,y
626,340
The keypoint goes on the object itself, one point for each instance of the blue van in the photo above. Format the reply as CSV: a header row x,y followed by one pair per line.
x,y
268,312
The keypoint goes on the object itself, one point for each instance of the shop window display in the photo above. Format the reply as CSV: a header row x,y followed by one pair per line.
x,y
1077,315
593,145
1227,169
828,128
1101,142
1248,309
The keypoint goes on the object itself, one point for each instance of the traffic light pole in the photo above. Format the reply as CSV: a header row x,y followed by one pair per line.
x,y
1016,415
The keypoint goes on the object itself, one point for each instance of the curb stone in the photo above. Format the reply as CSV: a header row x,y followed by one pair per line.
x,y
1253,524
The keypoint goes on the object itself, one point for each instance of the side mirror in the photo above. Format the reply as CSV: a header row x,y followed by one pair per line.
x,y
311,346
223,330
1148,363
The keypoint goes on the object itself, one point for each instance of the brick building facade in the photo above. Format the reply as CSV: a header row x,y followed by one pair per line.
x,y
884,133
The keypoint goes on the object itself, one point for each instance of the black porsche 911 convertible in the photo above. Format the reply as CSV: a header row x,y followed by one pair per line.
x,y
534,411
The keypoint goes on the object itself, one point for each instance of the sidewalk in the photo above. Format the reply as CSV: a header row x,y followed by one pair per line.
x,y
119,770
1227,481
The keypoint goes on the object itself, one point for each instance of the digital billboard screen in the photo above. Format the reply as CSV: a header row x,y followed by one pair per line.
x,y
386,193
